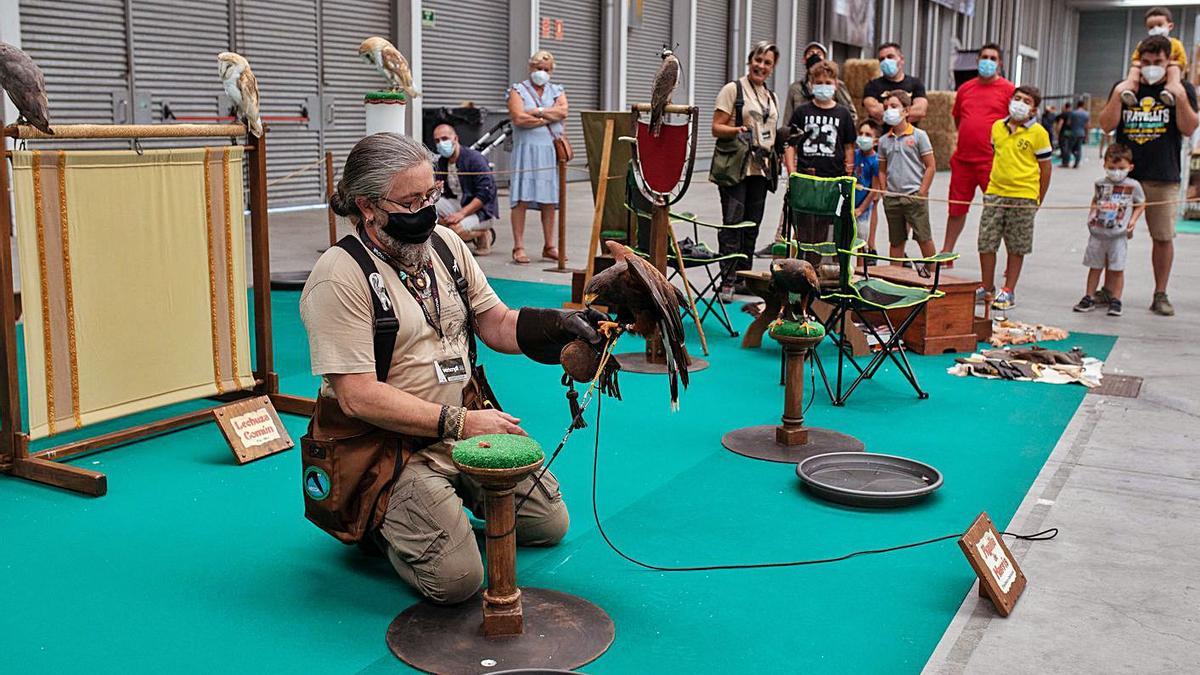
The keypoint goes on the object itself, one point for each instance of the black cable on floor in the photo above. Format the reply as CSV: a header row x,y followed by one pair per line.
x,y
1037,536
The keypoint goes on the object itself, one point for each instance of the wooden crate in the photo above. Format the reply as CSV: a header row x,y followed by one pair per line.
x,y
948,323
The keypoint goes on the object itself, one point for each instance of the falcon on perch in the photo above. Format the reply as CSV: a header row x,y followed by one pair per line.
x,y
390,63
791,276
25,85
664,85
646,304
242,88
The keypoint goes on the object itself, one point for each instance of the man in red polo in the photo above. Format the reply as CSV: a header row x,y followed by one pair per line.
x,y
978,104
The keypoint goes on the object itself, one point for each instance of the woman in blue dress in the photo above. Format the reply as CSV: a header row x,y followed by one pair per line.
x,y
537,108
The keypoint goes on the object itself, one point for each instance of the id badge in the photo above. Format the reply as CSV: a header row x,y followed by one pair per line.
x,y
453,369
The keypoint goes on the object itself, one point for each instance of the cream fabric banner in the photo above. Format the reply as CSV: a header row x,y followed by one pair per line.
x,y
133,280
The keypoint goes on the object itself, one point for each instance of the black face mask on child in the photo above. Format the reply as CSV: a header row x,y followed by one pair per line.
x,y
411,228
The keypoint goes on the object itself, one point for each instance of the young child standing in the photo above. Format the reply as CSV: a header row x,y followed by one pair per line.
x,y
1117,203
822,145
1158,22
866,172
906,166
1018,182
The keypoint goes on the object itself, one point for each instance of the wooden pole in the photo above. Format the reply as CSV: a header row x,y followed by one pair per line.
x,y
601,198
260,253
562,216
791,430
10,415
329,194
62,131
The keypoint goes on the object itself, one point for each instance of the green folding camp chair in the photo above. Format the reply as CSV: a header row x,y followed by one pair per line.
x,y
707,296
854,295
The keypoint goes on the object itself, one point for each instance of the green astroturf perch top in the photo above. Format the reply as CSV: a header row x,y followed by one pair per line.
x,y
385,96
497,451
781,328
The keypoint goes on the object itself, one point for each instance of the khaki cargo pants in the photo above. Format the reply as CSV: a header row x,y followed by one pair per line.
x,y
429,538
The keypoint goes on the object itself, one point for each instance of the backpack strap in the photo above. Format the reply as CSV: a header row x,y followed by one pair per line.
x,y
386,325
460,283
738,104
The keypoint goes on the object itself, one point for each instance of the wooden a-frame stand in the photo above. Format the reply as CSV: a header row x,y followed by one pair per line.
x,y
45,466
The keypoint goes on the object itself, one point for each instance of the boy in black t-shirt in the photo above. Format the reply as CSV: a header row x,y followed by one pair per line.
x,y
821,143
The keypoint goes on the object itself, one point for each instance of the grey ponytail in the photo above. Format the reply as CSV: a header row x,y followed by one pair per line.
x,y
370,167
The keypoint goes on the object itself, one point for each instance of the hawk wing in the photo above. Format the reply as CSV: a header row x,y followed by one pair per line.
x,y
25,85
248,85
665,82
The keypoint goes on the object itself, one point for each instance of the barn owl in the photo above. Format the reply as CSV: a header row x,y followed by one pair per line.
x,y
242,88
390,63
664,85
26,86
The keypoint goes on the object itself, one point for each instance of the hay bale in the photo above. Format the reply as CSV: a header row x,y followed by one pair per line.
x,y
939,124
856,73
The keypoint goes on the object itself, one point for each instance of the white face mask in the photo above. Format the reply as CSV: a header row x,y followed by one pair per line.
x,y
1116,175
891,116
1153,74
1159,30
1018,110
540,77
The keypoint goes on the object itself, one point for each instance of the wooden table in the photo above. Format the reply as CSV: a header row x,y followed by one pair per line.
x,y
948,323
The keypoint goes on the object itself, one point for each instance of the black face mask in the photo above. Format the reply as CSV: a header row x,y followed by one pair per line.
x,y
812,60
411,228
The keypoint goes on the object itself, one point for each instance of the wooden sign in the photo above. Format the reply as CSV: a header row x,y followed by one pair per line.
x,y
1000,578
253,429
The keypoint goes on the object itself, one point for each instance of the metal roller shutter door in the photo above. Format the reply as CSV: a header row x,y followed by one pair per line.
x,y
645,42
80,47
279,38
345,76
712,36
175,47
803,34
460,61
764,26
577,62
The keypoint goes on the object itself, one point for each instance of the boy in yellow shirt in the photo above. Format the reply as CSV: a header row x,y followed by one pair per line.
x,y
1158,22
1018,182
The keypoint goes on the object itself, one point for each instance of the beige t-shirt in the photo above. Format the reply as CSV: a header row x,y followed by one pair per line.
x,y
762,126
336,310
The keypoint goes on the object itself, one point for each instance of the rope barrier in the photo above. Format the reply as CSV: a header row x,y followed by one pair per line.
x,y
1038,207
297,172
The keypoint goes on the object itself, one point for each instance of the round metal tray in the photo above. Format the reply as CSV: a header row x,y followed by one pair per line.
x,y
868,479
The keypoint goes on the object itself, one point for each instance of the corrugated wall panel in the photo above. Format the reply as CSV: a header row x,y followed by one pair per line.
x,y
345,76
455,71
279,39
804,33
1101,62
577,60
645,42
80,47
712,35
763,26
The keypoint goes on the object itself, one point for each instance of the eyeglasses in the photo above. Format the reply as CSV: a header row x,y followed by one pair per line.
x,y
417,203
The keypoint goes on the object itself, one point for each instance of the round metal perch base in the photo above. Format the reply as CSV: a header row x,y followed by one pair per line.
x,y
759,443
561,631
636,362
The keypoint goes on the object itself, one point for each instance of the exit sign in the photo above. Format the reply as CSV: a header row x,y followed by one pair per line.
x,y
428,18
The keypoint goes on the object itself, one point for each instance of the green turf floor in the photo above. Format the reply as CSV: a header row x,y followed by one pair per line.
x,y
1185,226
194,564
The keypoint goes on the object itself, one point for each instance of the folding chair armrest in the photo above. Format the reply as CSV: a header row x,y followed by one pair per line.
x,y
688,217
935,259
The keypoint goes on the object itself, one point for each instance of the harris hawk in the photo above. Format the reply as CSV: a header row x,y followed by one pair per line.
x,y
793,276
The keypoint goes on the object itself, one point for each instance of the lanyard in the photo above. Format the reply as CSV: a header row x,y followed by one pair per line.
x,y
413,284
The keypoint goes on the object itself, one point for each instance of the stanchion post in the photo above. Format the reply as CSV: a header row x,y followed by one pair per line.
x,y
329,195
562,216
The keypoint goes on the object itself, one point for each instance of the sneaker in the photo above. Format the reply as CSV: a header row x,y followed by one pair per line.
x,y
1162,305
981,295
1103,296
726,294
765,252
1114,307
1005,299
871,262
1129,99
1167,98
1085,304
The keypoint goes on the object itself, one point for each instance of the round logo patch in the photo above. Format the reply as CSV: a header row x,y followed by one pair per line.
x,y
316,483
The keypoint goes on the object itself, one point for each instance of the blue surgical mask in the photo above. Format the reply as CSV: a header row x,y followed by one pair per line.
x,y
540,77
987,67
445,148
823,92
891,116
889,67
865,143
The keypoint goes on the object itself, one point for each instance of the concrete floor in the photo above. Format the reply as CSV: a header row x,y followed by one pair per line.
x,y
1116,590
